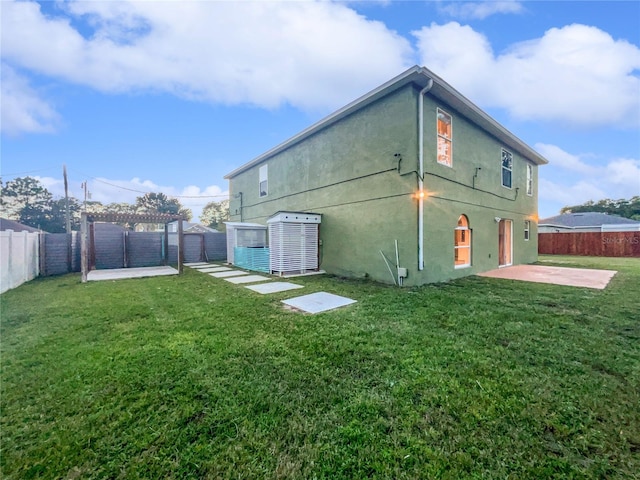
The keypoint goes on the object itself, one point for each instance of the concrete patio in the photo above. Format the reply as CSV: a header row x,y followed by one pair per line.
x,y
573,277
121,273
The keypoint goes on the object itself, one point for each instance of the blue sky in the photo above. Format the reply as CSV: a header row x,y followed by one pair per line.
x,y
169,97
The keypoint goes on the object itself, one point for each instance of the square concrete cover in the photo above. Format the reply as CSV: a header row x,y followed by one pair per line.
x,y
230,273
318,302
247,279
573,277
273,287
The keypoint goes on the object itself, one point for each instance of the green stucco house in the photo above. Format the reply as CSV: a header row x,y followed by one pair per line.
x,y
413,163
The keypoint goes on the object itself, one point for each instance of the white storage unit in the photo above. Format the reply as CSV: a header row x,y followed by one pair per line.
x,y
240,234
293,242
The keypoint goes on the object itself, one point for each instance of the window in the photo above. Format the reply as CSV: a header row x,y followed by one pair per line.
x,y
507,168
462,243
445,135
263,181
529,179
527,229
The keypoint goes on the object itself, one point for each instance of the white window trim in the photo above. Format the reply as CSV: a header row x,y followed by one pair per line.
x,y
455,247
529,186
527,230
263,176
502,168
450,140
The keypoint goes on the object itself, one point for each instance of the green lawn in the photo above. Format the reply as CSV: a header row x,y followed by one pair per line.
x,y
193,377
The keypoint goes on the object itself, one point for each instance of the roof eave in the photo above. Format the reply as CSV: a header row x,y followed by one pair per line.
x,y
419,76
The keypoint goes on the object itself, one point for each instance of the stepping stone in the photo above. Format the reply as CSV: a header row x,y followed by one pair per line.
x,y
195,264
318,302
214,269
273,287
206,265
247,279
231,273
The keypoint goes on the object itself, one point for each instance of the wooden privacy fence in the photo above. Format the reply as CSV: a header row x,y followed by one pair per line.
x,y
598,244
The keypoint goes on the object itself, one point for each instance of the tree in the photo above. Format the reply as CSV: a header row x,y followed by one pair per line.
x,y
214,213
160,203
56,220
623,208
26,200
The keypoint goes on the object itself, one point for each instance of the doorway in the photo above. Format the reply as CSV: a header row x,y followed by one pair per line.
x,y
505,243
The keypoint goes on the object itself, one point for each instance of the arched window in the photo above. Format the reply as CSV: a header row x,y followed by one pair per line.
x,y
462,243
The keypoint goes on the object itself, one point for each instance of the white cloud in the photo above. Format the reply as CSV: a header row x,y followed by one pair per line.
x,y
562,159
565,195
107,191
576,74
613,178
22,108
481,10
313,55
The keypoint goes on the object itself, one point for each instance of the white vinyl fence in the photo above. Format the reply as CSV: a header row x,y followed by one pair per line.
x,y
19,258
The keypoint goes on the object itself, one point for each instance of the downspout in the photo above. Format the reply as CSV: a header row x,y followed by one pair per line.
x,y
421,173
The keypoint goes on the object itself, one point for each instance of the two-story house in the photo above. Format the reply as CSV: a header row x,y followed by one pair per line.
x,y
412,162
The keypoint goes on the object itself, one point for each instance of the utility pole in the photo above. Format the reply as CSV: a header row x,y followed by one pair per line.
x,y
85,187
66,198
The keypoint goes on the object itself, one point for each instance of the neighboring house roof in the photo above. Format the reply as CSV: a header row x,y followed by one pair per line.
x,y
421,77
6,224
193,227
585,219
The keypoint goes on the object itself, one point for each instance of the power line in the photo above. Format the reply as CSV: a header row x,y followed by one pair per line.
x,y
26,173
221,195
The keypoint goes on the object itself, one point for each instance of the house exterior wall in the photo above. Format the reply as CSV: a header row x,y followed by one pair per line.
x,y
348,172
477,194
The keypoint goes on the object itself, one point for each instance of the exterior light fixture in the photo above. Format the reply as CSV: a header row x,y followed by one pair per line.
x,y
421,194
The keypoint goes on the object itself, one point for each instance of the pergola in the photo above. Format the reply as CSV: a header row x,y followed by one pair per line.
x,y
89,218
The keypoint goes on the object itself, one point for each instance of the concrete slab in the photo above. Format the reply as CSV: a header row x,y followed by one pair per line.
x,y
195,264
214,269
573,277
273,287
247,279
122,273
318,302
205,265
230,273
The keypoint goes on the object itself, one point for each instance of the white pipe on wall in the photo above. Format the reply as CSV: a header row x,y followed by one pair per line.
x,y
421,176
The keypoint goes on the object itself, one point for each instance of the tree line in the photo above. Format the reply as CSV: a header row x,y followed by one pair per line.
x,y
623,208
27,201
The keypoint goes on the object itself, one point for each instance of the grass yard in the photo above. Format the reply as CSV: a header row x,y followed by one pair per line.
x,y
193,377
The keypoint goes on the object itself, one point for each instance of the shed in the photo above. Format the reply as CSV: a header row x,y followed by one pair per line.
x,y
293,242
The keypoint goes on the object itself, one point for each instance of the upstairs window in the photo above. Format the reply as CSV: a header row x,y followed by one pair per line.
x,y
462,243
263,185
529,179
445,137
507,168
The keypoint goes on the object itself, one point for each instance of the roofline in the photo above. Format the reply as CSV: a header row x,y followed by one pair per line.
x,y
421,77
